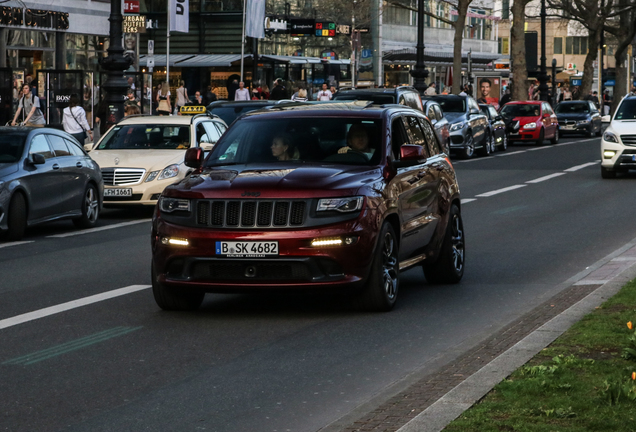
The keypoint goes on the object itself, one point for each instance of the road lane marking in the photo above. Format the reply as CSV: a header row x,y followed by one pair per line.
x,y
3,245
92,230
511,153
578,167
538,148
544,178
498,191
467,200
576,142
67,347
52,310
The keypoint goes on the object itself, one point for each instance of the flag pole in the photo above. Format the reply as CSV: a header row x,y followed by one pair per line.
x,y
168,44
243,40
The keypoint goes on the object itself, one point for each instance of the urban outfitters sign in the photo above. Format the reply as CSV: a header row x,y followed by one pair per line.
x,y
134,24
33,18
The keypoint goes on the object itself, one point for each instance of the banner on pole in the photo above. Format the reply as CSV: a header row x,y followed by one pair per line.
x,y
255,19
179,15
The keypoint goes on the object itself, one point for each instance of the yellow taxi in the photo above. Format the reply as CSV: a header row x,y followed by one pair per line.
x,y
141,155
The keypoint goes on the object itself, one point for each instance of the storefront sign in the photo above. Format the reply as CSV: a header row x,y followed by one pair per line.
x,y
33,18
331,55
302,27
274,25
343,29
62,98
325,29
134,24
570,66
131,6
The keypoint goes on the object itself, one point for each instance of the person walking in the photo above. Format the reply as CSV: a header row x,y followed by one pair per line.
x,y
324,94
242,94
607,102
430,91
567,94
182,96
278,92
74,120
163,100
30,103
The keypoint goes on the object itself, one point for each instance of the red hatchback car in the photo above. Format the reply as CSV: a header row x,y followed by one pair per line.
x,y
537,122
334,196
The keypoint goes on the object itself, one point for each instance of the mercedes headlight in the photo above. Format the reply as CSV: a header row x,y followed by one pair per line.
x,y
342,205
456,126
170,205
530,125
169,172
610,137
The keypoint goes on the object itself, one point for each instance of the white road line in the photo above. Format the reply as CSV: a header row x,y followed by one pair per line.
x,y
538,148
467,200
544,178
92,230
3,245
31,316
511,153
576,142
498,191
578,167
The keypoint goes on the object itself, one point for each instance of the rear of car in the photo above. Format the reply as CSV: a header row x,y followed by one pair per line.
x,y
618,145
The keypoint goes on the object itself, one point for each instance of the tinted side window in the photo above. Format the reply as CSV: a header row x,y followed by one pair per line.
x,y
202,134
431,139
59,146
413,127
40,145
402,101
74,148
398,136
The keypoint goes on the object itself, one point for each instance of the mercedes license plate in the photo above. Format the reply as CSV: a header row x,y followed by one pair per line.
x,y
249,249
117,192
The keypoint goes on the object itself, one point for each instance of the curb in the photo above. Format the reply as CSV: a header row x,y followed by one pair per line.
x,y
612,272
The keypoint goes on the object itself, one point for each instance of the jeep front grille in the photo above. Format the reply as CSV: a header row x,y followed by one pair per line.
x,y
251,213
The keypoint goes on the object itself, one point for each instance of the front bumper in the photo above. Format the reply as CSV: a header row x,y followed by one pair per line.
x,y
624,157
575,128
298,265
142,194
525,135
459,139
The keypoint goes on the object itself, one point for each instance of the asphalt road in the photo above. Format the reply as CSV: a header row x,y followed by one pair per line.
x,y
533,216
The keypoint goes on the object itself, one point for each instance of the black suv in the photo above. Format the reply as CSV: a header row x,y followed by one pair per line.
x,y
231,110
403,95
311,196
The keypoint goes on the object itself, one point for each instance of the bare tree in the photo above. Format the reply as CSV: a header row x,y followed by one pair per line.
x,y
518,50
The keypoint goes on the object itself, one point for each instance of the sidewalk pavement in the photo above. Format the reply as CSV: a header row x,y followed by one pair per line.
x,y
432,402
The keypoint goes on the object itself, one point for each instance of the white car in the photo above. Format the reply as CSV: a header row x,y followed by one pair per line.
x,y
141,155
618,146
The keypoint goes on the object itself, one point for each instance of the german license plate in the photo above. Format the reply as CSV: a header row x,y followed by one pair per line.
x,y
117,192
568,127
249,249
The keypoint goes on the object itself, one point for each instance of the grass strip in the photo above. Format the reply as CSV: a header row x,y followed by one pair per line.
x,y
584,381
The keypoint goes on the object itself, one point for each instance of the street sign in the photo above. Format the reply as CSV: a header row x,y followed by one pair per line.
x,y
150,61
275,25
151,47
343,29
302,27
131,6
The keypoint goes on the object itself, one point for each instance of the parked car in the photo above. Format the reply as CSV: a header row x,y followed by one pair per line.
x,y
537,121
579,117
403,95
311,196
229,111
141,155
45,175
469,127
618,145
435,114
497,128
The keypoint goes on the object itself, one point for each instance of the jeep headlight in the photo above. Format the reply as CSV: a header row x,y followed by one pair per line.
x,y
342,205
456,126
170,205
169,172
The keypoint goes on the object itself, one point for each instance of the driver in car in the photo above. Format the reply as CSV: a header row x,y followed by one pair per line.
x,y
357,141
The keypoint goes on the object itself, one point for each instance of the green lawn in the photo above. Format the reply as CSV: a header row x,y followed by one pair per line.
x,y
582,382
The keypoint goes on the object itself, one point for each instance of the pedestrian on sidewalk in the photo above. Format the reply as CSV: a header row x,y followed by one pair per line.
x,y
74,120
163,99
324,94
182,96
30,103
242,94
300,96
278,92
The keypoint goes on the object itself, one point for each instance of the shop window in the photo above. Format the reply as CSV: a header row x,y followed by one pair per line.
x,y
576,45
558,45
505,9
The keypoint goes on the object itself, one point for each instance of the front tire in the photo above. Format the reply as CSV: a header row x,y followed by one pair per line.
x,y
381,289
170,299
17,218
469,150
555,138
486,149
541,137
504,143
449,267
90,208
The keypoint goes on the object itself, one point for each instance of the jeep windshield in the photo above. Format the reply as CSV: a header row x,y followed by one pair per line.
x,y
299,140
146,137
521,110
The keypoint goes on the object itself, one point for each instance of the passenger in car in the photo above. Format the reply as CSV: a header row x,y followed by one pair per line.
x,y
358,141
283,149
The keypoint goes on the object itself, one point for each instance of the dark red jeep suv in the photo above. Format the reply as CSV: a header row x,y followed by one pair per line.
x,y
331,196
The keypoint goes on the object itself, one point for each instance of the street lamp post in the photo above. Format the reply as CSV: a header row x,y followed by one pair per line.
x,y
115,64
419,73
543,75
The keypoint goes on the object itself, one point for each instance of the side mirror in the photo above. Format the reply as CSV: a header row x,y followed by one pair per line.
x,y
37,159
194,157
410,154
606,119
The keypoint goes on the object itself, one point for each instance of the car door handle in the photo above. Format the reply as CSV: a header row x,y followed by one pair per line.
x,y
79,165
56,166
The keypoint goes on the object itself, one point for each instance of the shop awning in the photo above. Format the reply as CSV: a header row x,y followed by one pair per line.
x,y
212,60
160,60
408,56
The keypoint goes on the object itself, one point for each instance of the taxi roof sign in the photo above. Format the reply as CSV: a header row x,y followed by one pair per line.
x,y
192,109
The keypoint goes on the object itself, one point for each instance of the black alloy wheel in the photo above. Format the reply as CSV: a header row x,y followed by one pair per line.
x,y
381,290
90,208
469,150
486,150
449,267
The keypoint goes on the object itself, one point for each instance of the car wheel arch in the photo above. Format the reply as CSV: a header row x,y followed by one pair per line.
x,y
25,195
394,220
